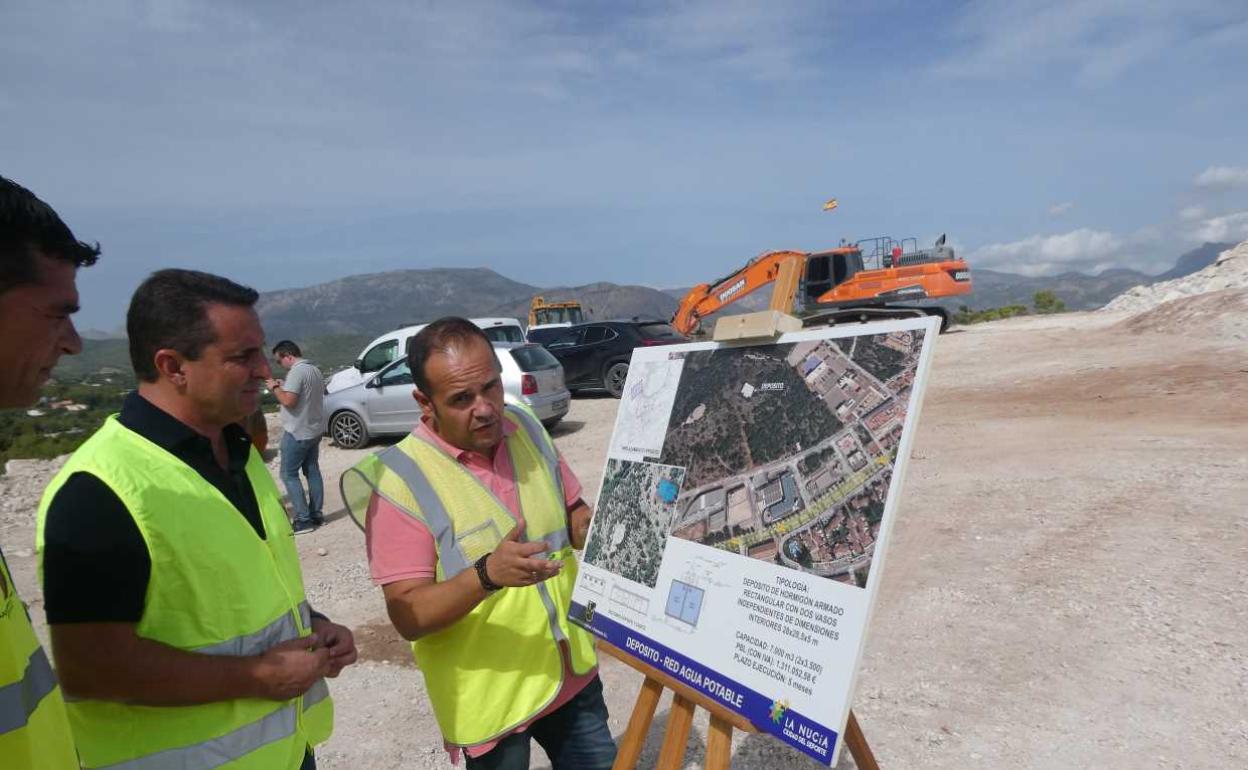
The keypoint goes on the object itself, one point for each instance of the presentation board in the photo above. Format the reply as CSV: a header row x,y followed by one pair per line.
x,y
744,514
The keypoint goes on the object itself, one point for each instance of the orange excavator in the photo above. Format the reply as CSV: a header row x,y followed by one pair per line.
x,y
859,281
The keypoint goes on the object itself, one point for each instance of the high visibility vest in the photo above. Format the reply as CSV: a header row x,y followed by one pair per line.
x,y
500,665
34,729
216,588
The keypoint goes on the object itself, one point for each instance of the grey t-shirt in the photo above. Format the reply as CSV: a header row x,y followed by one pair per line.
x,y
306,419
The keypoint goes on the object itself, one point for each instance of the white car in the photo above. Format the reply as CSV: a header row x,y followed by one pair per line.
x,y
383,405
390,346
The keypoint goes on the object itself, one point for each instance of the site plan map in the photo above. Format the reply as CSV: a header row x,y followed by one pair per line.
x,y
747,495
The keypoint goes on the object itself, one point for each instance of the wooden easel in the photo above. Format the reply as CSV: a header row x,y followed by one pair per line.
x,y
684,700
763,324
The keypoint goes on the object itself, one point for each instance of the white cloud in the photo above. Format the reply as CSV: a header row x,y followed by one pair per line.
x,y
1083,250
1226,227
1192,213
1222,178
1058,209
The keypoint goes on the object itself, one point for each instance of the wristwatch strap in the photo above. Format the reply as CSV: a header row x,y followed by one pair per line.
x,y
483,576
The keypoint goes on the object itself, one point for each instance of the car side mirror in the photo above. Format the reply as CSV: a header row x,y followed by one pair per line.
x,y
374,382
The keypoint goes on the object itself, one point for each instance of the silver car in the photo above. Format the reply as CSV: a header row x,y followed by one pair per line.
x,y
383,404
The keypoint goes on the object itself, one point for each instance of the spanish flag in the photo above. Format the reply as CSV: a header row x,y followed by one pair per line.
x,y
829,205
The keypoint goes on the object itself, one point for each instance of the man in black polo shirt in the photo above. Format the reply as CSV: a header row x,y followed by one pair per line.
x,y
171,581
96,563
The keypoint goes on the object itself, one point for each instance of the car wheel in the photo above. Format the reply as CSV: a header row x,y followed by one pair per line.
x,y
348,431
552,422
614,379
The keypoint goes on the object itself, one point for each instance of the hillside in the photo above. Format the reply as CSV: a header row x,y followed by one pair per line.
x,y
1197,259
329,351
1079,291
95,355
374,303
603,300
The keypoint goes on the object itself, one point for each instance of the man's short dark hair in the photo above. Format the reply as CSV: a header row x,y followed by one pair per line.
x,y
287,348
438,337
170,311
28,228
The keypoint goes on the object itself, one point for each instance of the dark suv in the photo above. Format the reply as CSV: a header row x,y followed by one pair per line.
x,y
596,354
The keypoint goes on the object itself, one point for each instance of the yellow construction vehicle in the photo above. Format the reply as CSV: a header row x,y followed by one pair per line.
x,y
543,313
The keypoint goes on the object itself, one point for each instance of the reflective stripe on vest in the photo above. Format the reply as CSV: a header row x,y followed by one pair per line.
x,y
431,507
34,726
435,513
20,699
542,441
281,630
439,520
218,751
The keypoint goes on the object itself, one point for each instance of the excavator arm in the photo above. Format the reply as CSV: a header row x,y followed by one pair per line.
x,y
783,268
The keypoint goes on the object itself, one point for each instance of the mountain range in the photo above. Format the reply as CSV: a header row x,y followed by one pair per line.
x,y
372,304
334,320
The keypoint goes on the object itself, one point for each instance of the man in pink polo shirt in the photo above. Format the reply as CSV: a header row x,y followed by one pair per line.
x,y
460,391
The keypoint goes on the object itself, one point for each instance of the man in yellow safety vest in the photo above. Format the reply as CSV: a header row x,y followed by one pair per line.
x,y
471,522
39,260
171,579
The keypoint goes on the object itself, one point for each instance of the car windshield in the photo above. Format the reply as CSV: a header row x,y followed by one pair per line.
x,y
659,331
504,334
534,358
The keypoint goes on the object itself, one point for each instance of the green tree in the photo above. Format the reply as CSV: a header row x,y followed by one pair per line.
x,y
1046,302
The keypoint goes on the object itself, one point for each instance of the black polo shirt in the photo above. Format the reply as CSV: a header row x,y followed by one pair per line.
x,y
95,562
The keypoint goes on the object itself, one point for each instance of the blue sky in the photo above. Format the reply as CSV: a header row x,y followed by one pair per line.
x,y
654,143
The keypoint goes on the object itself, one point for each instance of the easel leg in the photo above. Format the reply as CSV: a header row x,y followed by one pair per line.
x,y
638,725
857,743
718,744
672,755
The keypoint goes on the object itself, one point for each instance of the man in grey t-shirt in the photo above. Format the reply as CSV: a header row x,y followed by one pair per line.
x,y
302,396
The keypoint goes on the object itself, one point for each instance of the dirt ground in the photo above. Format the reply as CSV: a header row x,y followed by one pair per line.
x,y
1067,585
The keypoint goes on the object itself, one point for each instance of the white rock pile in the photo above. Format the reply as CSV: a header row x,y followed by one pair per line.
x,y
1229,271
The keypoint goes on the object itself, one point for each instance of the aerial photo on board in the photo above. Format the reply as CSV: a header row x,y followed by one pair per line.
x,y
788,449
634,512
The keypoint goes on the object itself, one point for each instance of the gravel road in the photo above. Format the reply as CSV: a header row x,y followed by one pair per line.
x,y
1067,583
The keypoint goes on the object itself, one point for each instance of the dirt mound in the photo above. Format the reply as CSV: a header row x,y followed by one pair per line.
x,y
1229,271
1217,314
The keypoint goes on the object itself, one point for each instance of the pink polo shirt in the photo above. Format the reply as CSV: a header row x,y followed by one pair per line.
x,y
402,548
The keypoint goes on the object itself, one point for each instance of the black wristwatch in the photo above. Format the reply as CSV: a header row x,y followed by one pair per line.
x,y
484,577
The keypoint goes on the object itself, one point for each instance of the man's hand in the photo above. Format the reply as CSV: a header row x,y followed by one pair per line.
x,y
272,383
339,641
288,669
578,523
512,563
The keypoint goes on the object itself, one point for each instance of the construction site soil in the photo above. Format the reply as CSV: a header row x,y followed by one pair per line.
x,y
1067,585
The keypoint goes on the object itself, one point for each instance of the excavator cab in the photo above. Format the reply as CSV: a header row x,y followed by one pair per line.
x,y
827,270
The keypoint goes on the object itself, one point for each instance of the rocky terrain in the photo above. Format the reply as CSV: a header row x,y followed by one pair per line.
x,y
1067,585
1228,271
